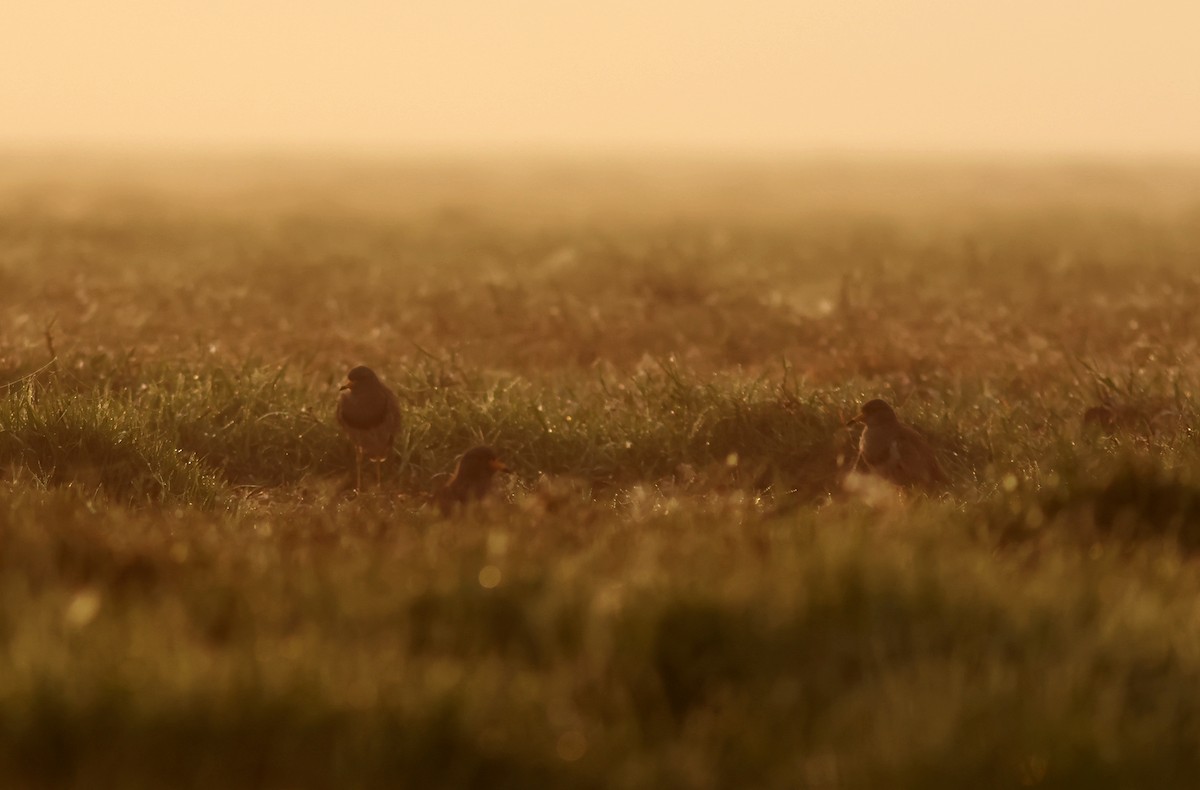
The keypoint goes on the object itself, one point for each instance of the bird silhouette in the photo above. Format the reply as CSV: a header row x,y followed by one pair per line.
x,y
893,450
369,414
472,478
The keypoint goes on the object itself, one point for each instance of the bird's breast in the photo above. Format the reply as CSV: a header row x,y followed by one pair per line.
x,y
362,411
876,446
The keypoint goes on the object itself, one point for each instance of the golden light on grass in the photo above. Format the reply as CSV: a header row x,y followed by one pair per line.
x,y
681,585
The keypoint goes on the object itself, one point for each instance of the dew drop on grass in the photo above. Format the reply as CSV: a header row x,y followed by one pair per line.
x,y
82,609
489,577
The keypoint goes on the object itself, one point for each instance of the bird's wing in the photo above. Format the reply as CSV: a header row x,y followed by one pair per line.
x,y
916,458
877,447
897,466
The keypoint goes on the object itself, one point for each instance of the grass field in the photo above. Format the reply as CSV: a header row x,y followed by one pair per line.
x,y
675,589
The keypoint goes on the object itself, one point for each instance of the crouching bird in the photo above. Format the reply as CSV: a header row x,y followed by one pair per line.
x,y
894,450
369,414
472,479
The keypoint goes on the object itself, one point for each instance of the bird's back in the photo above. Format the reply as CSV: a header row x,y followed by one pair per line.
x,y
899,453
919,457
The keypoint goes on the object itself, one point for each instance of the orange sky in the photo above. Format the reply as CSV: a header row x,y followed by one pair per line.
x,y
757,75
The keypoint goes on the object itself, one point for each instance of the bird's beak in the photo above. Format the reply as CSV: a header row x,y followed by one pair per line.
x,y
857,418
498,465
345,385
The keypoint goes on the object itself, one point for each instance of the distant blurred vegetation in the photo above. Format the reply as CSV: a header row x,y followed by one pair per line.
x,y
674,589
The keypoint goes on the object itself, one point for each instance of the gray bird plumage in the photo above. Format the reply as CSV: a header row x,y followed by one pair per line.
x,y
369,414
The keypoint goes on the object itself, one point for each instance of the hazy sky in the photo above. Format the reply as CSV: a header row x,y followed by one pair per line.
x,y
1025,75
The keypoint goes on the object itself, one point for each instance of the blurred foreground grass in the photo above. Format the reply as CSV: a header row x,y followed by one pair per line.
x,y
674,590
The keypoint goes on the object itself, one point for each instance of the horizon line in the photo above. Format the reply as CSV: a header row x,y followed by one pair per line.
x,y
349,150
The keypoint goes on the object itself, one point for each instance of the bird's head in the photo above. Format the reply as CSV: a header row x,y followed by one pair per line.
x,y
875,412
359,376
481,462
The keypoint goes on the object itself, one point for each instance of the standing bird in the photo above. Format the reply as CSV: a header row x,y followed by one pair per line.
x,y
472,478
369,414
893,450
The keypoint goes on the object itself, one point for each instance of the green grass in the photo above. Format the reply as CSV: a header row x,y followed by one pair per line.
x,y
674,589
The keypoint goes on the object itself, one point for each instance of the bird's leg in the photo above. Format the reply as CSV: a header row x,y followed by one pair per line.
x,y
357,470
379,474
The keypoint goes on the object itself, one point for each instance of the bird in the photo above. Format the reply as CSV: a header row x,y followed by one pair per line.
x,y
894,450
472,478
369,414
